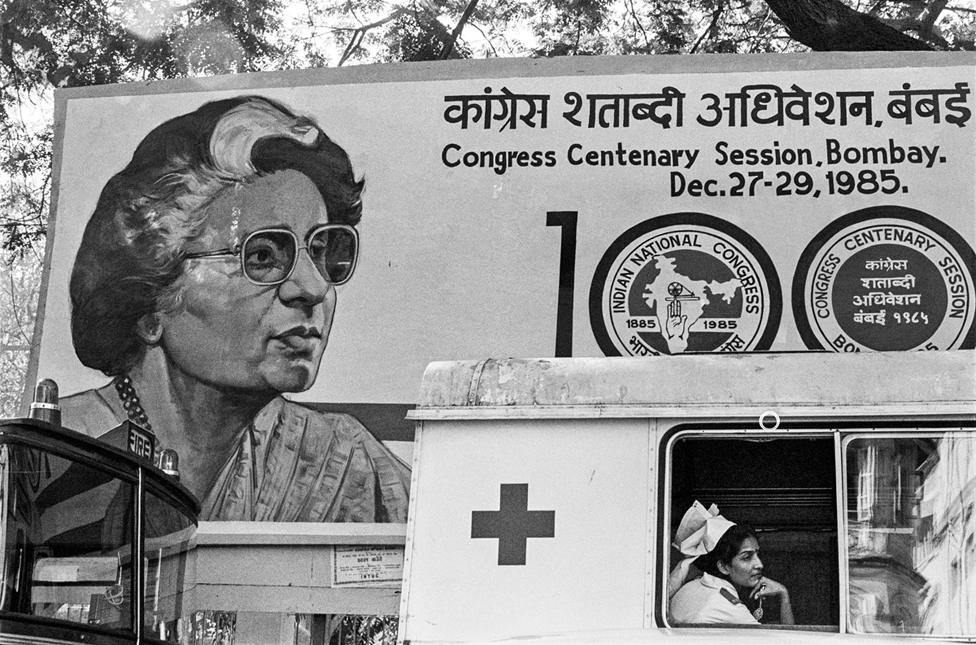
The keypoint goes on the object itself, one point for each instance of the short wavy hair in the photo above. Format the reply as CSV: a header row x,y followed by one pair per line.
x,y
132,251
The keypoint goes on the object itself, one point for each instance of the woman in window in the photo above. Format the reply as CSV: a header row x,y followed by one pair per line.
x,y
731,588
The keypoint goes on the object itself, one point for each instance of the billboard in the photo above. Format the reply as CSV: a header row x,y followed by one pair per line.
x,y
568,207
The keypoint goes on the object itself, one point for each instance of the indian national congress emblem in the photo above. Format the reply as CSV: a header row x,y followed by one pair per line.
x,y
684,283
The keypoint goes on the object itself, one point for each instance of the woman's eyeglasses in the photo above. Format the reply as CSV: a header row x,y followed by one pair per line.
x,y
268,256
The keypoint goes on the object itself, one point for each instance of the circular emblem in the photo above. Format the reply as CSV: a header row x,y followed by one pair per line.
x,y
886,278
685,282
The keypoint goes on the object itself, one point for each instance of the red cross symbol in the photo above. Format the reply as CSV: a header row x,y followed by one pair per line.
x,y
513,524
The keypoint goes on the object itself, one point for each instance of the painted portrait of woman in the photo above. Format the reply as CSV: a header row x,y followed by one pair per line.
x,y
205,288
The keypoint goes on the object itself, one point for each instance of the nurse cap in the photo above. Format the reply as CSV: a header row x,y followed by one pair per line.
x,y
700,530
698,533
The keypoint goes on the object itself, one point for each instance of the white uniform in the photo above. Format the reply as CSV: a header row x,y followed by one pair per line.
x,y
709,600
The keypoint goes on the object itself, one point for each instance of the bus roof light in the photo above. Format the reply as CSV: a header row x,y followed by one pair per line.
x,y
45,406
169,462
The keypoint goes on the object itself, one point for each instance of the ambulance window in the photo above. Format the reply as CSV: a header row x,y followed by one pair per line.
x,y
782,486
911,533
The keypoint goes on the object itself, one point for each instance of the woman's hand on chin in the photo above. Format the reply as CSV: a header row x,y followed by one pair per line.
x,y
768,587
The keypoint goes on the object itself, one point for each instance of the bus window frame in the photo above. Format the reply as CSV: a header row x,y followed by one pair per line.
x,y
893,430
727,429
828,427
153,485
88,458
141,474
85,457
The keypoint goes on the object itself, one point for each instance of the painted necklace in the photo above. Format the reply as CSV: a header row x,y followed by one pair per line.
x,y
130,402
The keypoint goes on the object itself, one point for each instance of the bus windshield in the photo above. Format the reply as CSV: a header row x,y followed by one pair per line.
x,y
69,536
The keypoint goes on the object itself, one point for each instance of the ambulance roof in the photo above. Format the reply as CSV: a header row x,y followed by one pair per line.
x,y
789,384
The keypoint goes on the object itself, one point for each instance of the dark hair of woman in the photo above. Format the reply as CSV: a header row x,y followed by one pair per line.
x,y
725,550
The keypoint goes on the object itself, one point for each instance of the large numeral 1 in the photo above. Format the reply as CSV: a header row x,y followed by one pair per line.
x,y
567,276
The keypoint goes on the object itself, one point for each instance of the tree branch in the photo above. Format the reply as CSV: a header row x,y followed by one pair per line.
x,y
716,14
449,48
928,17
359,32
755,37
633,13
830,25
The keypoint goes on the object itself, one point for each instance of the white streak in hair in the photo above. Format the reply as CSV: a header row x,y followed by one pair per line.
x,y
235,223
243,126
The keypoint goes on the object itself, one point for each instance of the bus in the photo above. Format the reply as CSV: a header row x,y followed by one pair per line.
x,y
97,539
547,494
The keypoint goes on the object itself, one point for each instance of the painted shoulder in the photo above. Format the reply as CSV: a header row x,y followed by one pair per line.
x,y
90,412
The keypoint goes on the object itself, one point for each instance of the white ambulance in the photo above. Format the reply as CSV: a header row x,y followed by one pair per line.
x,y
547,494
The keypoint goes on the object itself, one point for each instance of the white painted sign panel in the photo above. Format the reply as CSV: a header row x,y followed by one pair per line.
x,y
583,207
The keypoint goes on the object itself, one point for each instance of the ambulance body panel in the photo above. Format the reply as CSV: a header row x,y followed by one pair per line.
x,y
545,492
